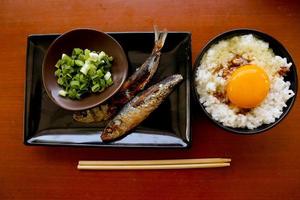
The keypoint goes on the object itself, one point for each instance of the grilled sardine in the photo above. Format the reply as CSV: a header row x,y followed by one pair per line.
x,y
139,108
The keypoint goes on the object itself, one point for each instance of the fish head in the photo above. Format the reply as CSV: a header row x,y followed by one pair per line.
x,y
112,130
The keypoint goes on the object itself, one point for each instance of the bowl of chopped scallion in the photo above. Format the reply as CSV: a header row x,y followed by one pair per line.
x,y
83,68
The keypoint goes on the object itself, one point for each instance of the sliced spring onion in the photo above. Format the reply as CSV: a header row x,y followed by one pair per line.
x,y
107,75
83,72
62,93
79,63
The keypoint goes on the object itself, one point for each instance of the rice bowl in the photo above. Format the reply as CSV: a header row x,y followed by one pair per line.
x,y
211,80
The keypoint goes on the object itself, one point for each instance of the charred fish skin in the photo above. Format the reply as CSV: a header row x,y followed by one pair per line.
x,y
133,85
137,81
139,108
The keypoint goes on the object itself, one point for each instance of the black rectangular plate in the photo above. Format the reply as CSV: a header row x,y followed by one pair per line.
x,y
169,126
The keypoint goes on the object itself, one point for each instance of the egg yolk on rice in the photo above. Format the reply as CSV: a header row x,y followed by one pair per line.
x,y
248,86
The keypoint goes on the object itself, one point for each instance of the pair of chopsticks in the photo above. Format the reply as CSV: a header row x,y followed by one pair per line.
x,y
154,164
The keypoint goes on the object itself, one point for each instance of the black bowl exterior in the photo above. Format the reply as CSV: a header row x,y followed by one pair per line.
x,y
85,39
278,49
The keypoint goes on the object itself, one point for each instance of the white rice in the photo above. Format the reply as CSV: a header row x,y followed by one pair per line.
x,y
208,82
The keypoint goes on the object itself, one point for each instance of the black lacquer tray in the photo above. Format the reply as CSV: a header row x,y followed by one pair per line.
x,y
169,126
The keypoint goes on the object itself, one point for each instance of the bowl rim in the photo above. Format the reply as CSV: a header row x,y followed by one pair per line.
x,y
79,108
241,31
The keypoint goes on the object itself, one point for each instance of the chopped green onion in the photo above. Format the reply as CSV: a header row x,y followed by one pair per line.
x,y
79,63
60,81
75,84
96,87
58,64
62,93
94,56
77,51
83,72
107,75
87,52
57,72
101,55
85,68
109,81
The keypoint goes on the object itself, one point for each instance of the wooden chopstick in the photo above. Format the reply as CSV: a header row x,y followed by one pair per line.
x,y
148,167
154,164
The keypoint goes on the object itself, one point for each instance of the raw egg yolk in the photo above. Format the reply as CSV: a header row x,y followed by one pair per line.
x,y
248,86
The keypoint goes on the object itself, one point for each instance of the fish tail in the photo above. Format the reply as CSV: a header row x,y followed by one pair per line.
x,y
160,38
96,114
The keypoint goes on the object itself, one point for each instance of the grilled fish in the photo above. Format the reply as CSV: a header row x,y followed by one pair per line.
x,y
139,108
133,85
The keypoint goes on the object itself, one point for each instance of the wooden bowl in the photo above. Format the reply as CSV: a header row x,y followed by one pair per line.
x,y
84,39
